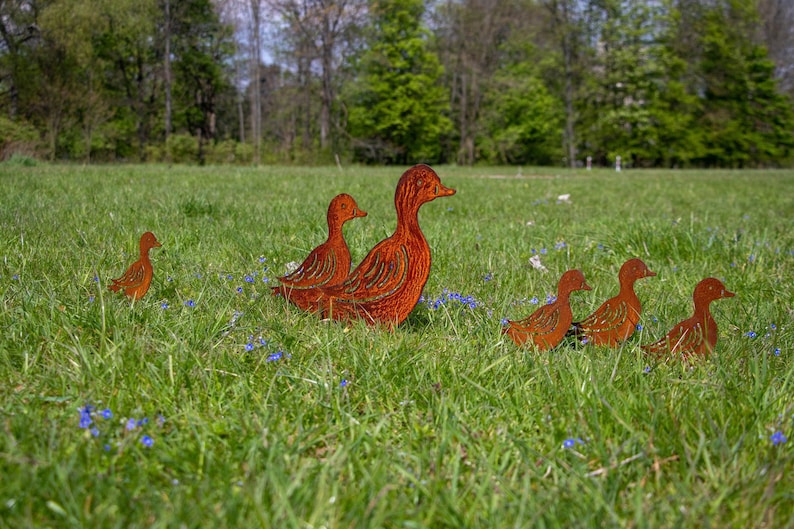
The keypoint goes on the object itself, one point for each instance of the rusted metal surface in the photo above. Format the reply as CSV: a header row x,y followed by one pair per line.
x,y
386,286
546,327
136,280
698,334
615,320
327,264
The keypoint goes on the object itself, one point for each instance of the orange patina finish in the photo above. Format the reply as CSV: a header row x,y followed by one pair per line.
x,y
386,286
327,264
136,280
546,327
698,334
615,320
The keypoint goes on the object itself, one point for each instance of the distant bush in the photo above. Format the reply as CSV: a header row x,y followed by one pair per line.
x,y
18,138
21,160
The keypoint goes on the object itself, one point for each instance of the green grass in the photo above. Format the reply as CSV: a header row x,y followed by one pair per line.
x,y
442,423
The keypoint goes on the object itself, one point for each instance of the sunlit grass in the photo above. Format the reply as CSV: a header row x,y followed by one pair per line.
x,y
249,413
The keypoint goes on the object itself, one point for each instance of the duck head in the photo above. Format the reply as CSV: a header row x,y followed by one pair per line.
x,y
571,281
710,289
149,241
418,185
343,207
634,269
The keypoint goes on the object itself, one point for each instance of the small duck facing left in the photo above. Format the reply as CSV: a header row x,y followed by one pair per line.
x,y
136,280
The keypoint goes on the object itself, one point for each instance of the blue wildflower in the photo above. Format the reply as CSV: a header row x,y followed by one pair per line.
x,y
15,277
504,321
560,245
94,431
147,441
343,384
585,341
106,413
488,276
638,327
751,334
571,442
647,369
131,423
249,279
777,351
239,290
85,416
550,299
534,300
164,305
190,303
249,346
274,357
777,438
90,299
772,326
543,251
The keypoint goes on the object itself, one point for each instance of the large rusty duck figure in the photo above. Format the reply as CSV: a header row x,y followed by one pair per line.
x,y
698,334
546,327
136,280
615,320
327,264
385,287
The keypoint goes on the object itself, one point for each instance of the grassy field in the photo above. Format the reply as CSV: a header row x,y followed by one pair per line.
x,y
210,403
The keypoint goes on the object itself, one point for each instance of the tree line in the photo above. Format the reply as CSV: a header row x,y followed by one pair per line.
x,y
661,83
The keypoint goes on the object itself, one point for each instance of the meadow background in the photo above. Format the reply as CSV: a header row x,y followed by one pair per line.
x,y
211,403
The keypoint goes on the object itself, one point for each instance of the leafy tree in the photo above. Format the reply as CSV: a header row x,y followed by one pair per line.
x,y
523,120
203,46
747,121
397,111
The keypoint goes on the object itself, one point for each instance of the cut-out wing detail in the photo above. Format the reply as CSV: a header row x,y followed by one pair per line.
x,y
684,339
133,277
541,321
609,317
316,270
375,278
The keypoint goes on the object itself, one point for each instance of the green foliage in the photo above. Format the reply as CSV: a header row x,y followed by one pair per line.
x,y
398,105
440,423
523,120
747,122
17,138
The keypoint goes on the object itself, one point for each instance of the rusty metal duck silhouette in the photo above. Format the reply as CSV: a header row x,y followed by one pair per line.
x,y
327,264
385,287
546,327
698,334
136,280
615,320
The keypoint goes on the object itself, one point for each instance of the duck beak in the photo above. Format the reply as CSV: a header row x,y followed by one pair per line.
x,y
650,274
443,191
727,294
156,244
359,213
585,286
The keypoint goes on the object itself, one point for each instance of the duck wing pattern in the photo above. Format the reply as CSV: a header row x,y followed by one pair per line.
x,y
315,271
133,277
377,277
683,339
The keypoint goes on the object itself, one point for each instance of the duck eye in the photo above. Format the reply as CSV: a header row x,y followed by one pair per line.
x,y
344,206
420,182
